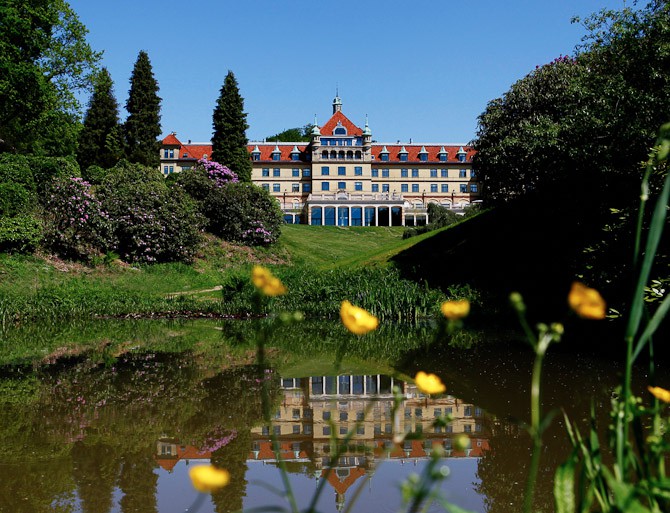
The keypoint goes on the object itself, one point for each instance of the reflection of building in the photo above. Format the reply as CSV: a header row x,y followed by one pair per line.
x,y
341,177
316,409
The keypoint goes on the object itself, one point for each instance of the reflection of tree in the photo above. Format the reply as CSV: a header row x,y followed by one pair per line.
x,y
138,482
502,470
95,470
233,457
37,487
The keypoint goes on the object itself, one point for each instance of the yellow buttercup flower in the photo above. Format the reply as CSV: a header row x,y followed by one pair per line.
x,y
660,393
429,383
586,302
207,479
456,309
357,320
266,282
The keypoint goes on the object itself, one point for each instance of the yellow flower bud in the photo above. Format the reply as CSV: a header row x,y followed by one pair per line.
x,y
660,393
268,284
586,302
207,479
453,310
357,320
461,442
429,383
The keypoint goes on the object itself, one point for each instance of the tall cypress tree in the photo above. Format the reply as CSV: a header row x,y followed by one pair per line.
x,y
142,127
229,143
101,124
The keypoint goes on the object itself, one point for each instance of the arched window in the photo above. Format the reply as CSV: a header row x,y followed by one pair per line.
x,y
350,155
340,155
340,130
358,154
333,154
324,154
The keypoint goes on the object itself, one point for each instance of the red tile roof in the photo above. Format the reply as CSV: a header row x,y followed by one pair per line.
x,y
338,117
413,151
171,140
284,148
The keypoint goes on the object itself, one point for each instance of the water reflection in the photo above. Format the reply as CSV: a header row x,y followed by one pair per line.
x,y
97,439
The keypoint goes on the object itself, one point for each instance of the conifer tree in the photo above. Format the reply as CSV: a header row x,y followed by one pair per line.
x,y
142,127
101,124
229,143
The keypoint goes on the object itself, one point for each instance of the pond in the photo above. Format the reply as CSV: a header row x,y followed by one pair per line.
x,y
116,429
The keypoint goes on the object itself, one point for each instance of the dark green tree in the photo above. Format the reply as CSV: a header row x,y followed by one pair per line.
x,y
229,142
44,61
142,127
101,125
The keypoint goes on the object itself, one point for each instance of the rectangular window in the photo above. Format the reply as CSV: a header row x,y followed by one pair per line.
x,y
358,171
403,157
295,187
462,173
404,187
385,173
325,171
276,187
473,173
433,173
341,185
384,157
433,187
276,172
403,173
415,187
464,187
385,187
444,187
166,170
171,154
375,173
375,187
295,172
443,157
325,415
444,173
473,187
307,172
296,429
325,186
423,157
165,153
276,156
326,430
266,171
358,186
341,171
360,430
266,186
295,413
415,173
171,169
306,187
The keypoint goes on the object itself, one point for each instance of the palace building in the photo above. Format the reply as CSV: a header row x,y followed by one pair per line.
x,y
341,177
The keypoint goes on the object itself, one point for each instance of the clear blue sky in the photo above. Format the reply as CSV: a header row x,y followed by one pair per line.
x,y
419,69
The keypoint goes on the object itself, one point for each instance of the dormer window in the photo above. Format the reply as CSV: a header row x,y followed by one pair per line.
x,y
402,154
423,154
295,153
204,156
461,154
442,155
276,153
339,129
384,155
256,154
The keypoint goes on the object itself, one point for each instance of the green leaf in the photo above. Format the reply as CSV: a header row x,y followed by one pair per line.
x,y
564,487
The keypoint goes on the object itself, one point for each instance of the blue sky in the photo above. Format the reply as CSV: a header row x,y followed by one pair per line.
x,y
421,70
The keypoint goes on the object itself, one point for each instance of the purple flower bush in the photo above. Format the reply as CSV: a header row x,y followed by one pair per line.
x,y
218,173
76,224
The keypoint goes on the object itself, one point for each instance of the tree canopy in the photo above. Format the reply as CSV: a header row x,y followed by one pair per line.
x,y
142,127
293,135
99,140
582,125
229,142
44,61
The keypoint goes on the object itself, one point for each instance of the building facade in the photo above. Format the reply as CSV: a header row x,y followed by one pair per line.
x,y
342,178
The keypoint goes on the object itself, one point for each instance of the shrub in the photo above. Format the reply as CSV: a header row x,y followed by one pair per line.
x,y
46,169
150,221
14,199
94,174
244,213
20,233
76,226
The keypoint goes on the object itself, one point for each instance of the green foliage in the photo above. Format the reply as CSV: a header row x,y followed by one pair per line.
x,y
44,61
303,134
20,233
101,125
14,199
142,127
244,213
150,221
229,142
94,174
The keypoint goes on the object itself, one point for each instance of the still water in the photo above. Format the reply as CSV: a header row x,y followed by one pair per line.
x,y
118,433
